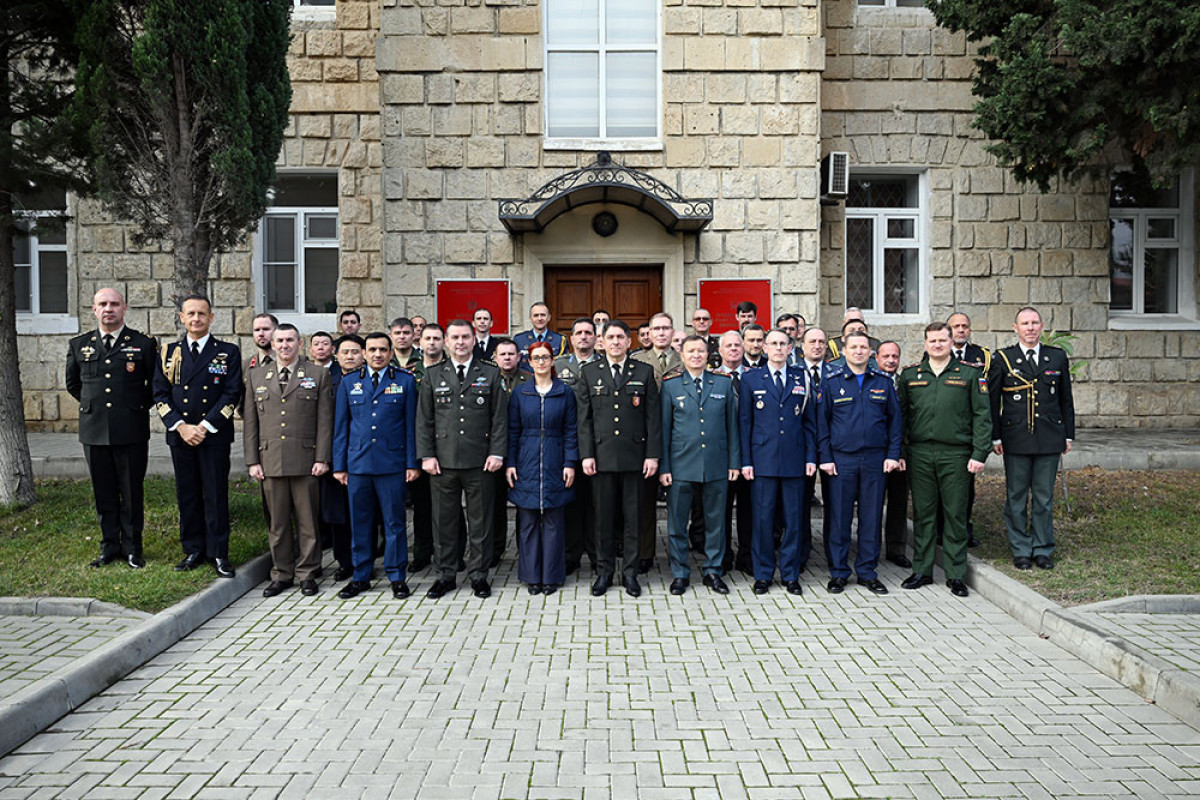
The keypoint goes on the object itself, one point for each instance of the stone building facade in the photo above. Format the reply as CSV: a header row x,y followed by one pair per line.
x,y
428,116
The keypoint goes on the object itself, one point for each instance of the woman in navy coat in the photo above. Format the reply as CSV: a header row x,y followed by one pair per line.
x,y
543,450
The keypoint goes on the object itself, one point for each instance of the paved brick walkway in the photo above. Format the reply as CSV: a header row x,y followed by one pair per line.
x,y
915,695
1175,638
33,647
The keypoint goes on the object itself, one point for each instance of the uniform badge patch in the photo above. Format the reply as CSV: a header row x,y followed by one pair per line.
x,y
130,366
308,383
356,389
87,351
637,401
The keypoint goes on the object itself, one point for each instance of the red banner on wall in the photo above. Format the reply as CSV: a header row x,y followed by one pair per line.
x,y
721,296
460,299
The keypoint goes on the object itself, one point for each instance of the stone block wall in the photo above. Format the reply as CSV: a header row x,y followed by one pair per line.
x,y
897,93
462,115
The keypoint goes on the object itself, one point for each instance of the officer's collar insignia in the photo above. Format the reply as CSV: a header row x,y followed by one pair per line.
x,y
268,376
87,350
842,390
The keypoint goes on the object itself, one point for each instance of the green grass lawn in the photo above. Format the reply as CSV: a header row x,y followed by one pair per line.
x,y
45,549
1128,533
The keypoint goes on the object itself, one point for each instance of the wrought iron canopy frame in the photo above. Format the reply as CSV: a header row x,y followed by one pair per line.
x,y
605,181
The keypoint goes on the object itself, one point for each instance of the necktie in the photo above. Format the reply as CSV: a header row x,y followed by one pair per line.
x,y
698,384
958,353
374,380
1029,354
816,375
195,349
662,362
108,341
617,374
779,383
283,378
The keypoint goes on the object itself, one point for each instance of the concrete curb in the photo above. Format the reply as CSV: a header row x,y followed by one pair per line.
x,y
1174,690
65,607
42,703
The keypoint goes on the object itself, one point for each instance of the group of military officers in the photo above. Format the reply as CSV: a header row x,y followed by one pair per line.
x,y
749,422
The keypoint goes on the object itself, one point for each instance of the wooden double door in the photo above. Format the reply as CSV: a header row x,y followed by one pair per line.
x,y
628,293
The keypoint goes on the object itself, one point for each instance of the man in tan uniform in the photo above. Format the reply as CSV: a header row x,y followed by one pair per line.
x,y
288,441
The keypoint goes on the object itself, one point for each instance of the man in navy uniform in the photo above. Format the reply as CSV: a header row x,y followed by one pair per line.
x,y
539,317
779,447
858,441
966,351
374,457
700,455
197,387
110,371
1033,425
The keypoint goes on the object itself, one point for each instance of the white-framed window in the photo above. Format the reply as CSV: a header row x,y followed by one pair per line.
x,y
603,75
296,246
313,10
40,256
1151,256
891,3
886,224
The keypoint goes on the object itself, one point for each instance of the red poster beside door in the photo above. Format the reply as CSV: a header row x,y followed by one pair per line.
x,y
721,296
460,299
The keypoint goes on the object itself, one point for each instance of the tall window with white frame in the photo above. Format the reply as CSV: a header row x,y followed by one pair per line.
x,y
884,243
298,245
892,3
40,253
603,74
1147,230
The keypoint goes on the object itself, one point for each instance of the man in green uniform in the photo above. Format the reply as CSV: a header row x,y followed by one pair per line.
x,y
947,437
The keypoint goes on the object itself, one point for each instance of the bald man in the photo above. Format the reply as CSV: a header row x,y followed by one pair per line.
x,y
110,371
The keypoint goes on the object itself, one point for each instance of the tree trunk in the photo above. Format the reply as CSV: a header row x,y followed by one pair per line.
x,y
191,269
16,467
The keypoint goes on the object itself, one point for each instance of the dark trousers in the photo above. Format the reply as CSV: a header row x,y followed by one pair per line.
x,y
680,505
422,549
385,492
895,521
739,494
768,494
202,492
648,519
1033,534
118,475
541,546
498,539
618,497
447,492
581,522
859,481
810,493
695,522
335,520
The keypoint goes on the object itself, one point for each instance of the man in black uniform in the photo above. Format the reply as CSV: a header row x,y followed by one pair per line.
x,y
197,383
620,439
110,372
966,351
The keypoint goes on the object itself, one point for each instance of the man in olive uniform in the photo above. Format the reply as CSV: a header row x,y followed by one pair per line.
x,y
197,387
620,440
1033,425
580,520
462,434
110,372
666,363
287,439
508,359
947,430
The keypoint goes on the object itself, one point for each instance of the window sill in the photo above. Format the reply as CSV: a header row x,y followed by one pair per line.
x,y
314,14
616,145
46,324
308,324
1152,322
881,320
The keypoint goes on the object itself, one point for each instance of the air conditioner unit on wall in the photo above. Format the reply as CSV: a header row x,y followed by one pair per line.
x,y
835,177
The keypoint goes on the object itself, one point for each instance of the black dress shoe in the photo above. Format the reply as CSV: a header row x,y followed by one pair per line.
x,y
645,565
957,587
440,588
190,562
794,587
400,590
1043,562
308,587
602,585
874,585
534,588
916,581
632,587
836,585
343,574
900,561
679,586
136,562
418,564
549,588
1021,562
762,587
481,588
103,560
715,583
276,587
354,589
224,568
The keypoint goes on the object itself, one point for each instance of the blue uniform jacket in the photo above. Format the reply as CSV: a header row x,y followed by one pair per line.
x,y
851,419
526,338
375,429
701,440
542,439
779,434
196,390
